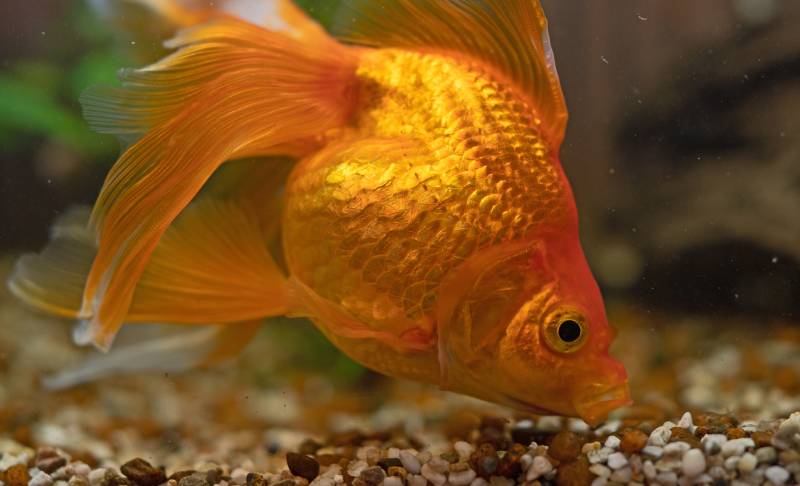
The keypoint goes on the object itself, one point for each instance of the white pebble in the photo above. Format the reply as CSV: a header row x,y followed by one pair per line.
x,y
439,465
435,477
660,436
788,433
540,467
97,475
617,460
338,478
649,469
393,453
410,461
736,447
676,448
612,442
41,479
766,455
600,470
694,463
578,426
686,421
416,480
525,461
712,443
653,451
464,449
461,478
599,455
478,482
609,427
776,474
239,475
747,463
731,463
590,446
392,481
622,475
354,468
599,481
549,423
667,478
81,469
717,472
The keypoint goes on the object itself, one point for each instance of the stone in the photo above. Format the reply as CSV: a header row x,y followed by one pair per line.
x,y
461,478
373,476
304,466
565,446
540,467
633,441
410,462
747,463
143,473
694,463
776,475
574,473
617,460
41,479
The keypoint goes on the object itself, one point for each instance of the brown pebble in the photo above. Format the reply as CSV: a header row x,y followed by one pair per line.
x,y
762,438
484,460
565,446
194,479
50,464
680,434
397,471
143,473
373,476
16,475
117,481
78,481
735,433
510,466
302,465
450,456
255,479
633,441
574,473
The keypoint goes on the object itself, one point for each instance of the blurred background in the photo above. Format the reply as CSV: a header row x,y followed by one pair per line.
x,y
682,147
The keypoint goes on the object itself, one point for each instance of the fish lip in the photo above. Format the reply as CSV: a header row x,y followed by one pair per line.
x,y
595,407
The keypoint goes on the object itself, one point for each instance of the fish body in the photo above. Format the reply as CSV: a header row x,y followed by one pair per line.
x,y
427,228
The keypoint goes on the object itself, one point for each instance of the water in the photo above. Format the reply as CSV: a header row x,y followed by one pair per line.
x,y
682,152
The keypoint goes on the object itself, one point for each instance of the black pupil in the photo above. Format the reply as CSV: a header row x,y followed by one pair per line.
x,y
569,331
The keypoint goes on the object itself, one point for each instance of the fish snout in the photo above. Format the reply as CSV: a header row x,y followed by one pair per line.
x,y
603,396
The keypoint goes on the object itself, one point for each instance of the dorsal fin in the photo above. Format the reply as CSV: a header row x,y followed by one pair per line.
x,y
510,35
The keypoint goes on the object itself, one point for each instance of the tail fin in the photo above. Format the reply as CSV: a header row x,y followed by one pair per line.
x,y
232,90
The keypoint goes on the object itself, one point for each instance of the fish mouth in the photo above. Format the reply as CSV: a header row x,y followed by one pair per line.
x,y
593,408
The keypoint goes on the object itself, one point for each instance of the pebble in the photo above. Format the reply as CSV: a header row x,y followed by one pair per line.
x,y
694,463
41,479
766,455
416,480
599,481
464,449
304,466
540,467
479,481
461,478
747,463
393,481
660,436
686,421
788,433
410,462
776,474
667,478
97,476
600,470
599,455
736,447
649,469
143,473
565,446
612,442
574,473
676,448
633,441
653,451
549,423
373,476
622,475
617,460
435,477
712,443
16,475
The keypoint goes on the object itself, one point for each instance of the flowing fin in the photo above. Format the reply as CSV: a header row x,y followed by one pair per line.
x,y
212,266
243,91
160,347
510,35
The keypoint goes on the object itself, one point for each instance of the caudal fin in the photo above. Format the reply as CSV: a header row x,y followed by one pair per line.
x,y
231,90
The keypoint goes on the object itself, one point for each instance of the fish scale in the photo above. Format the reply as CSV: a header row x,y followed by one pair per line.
x,y
481,174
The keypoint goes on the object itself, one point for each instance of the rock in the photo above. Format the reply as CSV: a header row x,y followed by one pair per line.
x,y
617,460
304,466
686,421
574,473
735,433
649,470
540,467
762,438
633,441
373,476
143,473
435,477
465,449
676,448
679,434
410,462
393,481
667,478
747,463
612,442
388,462
50,464
776,475
599,456
788,433
416,480
694,463
484,461
198,479
78,481
399,472
766,455
41,479
461,478
600,470
309,447
479,481
565,446
16,475
660,436
653,451
509,465
437,464
736,447
622,475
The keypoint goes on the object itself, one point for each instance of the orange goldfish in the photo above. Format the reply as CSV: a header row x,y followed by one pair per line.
x,y
427,227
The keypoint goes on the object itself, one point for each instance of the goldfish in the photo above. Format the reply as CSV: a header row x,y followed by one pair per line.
x,y
422,220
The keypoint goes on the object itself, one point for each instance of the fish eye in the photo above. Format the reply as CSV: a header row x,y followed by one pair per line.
x,y
565,332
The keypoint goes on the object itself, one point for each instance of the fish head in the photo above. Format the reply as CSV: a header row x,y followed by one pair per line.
x,y
554,354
